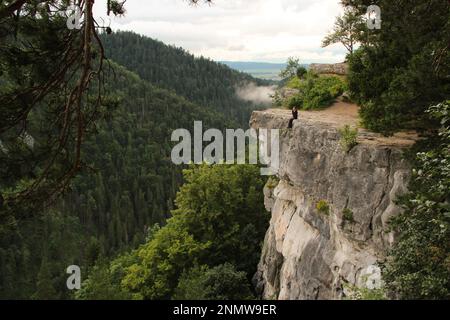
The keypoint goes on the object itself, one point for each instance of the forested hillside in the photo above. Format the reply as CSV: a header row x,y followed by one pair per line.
x,y
86,176
219,219
200,80
134,181
130,187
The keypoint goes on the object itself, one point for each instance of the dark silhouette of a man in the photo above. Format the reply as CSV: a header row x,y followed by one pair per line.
x,y
294,117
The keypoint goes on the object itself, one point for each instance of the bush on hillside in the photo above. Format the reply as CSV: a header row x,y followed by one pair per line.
x,y
316,92
418,266
223,282
402,69
348,137
220,218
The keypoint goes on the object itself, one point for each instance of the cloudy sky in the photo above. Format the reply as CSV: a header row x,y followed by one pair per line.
x,y
237,30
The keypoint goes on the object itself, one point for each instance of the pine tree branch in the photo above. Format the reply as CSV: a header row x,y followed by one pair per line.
x,y
13,7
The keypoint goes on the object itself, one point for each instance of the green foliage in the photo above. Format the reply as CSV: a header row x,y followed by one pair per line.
x,y
162,260
276,99
223,282
348,137
347,30
35,255
315,92
295,83
293,69
224,205
402,68
51,96
323,207
45,289
104,280
355,293
301,72
272,182
347,215
135,182
419,263
117,7
219,218
322,92
128,182
295,101
199,80
131,183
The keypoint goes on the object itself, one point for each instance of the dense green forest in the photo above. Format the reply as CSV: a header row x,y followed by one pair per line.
x,y
402,69
129,183
86,176
219,218
199,80
130,187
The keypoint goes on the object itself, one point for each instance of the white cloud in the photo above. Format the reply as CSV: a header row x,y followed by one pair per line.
x,y
251,92
245,30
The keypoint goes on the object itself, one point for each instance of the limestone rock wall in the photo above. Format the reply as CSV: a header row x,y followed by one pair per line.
x,y
312,255
336,68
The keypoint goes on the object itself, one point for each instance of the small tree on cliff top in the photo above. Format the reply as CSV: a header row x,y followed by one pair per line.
x,y
347,30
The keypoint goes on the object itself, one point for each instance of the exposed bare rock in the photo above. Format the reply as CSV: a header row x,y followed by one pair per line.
x,y
286,93
312,255
336,68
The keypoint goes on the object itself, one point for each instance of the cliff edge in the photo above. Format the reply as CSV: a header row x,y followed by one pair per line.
x,y
309,254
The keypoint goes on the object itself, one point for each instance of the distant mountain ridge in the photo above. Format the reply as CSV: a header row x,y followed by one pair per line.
x,y
261,70
253,65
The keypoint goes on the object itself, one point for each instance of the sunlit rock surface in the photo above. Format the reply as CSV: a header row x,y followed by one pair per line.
x,y
311,255
335,68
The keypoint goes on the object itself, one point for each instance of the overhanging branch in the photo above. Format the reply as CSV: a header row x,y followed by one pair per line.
x,y
13,7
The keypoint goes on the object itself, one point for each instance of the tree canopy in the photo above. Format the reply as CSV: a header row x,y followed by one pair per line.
x,y
403,67
51,96
347,30
219,218
419,264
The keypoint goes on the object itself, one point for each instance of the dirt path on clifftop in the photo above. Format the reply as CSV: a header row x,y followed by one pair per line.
x,y
343,113
339,114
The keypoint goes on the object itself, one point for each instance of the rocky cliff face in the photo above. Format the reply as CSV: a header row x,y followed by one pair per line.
x,y
309,254
335,68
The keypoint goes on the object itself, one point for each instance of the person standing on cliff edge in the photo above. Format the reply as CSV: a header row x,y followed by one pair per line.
x,y
294,117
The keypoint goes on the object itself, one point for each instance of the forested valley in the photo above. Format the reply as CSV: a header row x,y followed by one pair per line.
x,y
86,176
130,185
